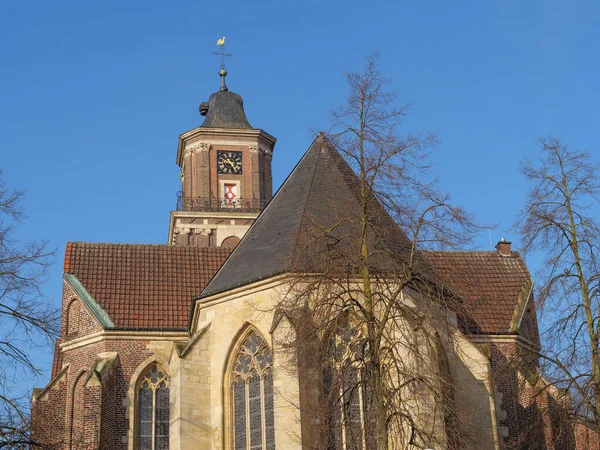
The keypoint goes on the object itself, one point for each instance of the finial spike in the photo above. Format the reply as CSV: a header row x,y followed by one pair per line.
x,y
222,54
223,74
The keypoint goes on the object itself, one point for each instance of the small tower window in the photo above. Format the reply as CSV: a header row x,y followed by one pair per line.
x,y
153,410
230,194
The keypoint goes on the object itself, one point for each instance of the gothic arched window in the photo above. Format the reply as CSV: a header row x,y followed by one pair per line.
x,y
252,396
153,410
347,395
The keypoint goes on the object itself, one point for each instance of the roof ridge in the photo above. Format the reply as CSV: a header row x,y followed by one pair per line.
x,y
487,252
260,217
312,180
322,187
170,246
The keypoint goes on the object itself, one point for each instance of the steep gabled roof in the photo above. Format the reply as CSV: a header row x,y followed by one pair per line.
x,y
316,210
493,287
143,286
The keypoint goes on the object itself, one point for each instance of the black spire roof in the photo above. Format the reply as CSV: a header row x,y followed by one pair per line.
x,y
313,220
226,110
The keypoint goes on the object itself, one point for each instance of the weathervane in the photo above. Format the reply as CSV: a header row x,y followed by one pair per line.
x,y
222,54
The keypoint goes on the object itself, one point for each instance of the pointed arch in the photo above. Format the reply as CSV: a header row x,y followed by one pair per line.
x,y
76,410
347,390
248,392
149,415
72,312
239,336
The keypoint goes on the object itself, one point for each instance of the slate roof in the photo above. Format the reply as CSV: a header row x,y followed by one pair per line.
x,y
226,110
151,286
143,286
315,209
488,283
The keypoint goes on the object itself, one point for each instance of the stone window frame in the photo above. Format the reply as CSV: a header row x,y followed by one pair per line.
x,y
230,377
132,396
345,368
153,379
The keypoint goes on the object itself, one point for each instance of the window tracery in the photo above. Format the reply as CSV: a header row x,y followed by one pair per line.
x,y
347,392
153,410
252,396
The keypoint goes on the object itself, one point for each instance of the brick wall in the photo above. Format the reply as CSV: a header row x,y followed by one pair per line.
x,y
585,438
97,415
76,321
91,418
536,415
110,408
522,416
131,354
48,415
75,416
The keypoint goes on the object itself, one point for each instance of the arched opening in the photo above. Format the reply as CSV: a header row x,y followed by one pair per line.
x,y
230,242
73,317
152,409
347,392
251,394
76,437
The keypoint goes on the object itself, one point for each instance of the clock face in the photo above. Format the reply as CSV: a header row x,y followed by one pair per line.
x,y
229,162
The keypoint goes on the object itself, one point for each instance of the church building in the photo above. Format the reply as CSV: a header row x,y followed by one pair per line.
x,y
181,346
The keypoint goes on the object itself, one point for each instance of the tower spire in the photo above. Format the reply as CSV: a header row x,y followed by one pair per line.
x,y
222,54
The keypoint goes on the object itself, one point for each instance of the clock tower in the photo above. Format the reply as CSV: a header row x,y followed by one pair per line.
x,y
225,174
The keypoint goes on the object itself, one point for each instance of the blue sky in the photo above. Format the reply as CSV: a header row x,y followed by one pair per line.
x,y
95,94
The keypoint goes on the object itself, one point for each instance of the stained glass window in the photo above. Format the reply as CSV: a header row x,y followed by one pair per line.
x,y
347,395
252,396
239,413
269,410
351,409
255,411
153,410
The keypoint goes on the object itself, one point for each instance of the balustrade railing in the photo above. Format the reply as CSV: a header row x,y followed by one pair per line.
x,y
219,204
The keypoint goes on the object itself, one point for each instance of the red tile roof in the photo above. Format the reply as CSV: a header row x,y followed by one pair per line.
x,y
488,283
151,286
144,286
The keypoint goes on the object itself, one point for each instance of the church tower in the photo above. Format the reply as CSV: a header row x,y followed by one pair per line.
x,y
225,174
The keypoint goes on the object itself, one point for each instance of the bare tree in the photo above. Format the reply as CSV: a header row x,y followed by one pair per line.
x,y
560,220
27,320
371,299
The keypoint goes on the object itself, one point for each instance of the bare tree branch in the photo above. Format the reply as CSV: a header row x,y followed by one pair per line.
x,y
367,306
560,221
27,319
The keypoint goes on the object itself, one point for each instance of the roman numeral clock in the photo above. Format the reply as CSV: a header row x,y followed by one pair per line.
x,y
229,162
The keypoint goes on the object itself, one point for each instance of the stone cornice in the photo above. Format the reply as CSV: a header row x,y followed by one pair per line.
x,y
214,135
248,289
503,339
202,146
123,335
207,215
